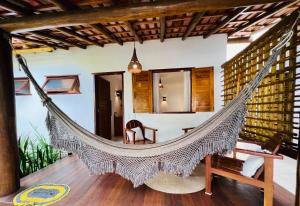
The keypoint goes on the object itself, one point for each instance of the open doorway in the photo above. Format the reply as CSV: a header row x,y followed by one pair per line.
x,y
109,110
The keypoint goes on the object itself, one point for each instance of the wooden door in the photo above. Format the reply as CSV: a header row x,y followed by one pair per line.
x,y
142,92
103,107
203,89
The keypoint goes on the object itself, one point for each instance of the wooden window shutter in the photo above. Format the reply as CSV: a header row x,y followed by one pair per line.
x,y
142,92
203,89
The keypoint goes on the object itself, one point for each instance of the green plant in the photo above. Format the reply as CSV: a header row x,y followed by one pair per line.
x,y
35,155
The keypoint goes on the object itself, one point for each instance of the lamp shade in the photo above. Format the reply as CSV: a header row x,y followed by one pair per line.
x,y
134,65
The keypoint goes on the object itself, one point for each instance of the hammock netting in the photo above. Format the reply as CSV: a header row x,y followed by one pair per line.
x,y
139,163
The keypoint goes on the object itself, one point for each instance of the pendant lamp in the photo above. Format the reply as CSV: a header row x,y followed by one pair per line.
x,y
134,65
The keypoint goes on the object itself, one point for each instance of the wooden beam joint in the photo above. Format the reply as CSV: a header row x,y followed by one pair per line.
x,y
162,28
106,32
133,31
195,20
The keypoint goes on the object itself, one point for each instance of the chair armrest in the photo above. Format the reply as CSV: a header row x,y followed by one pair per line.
x,y
154,133
126,136
150,128
260,154
250,141
129,130
187,129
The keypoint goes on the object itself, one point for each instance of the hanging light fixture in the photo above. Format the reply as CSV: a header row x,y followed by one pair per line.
x,y
134,65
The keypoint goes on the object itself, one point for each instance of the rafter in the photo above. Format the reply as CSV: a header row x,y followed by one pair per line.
x,y
121,13
37,42
34,50
26,11
66,5
162,28
133,31
195,20
268,13
106,33
239,40
228,19
78,36
56,38
15,8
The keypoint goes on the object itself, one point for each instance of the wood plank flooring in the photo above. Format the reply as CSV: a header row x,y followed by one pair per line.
x,y
113,190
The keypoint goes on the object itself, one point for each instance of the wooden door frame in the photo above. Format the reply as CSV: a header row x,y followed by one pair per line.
x,y
94,79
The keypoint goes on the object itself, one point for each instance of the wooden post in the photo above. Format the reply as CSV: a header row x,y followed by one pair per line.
x,y
9,156
208,175
268,186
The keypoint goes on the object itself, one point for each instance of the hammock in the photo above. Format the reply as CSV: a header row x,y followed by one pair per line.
x,y
139,163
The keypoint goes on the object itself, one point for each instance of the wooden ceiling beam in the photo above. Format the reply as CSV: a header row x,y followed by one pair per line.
x,y
240,40
133,31
15,8
34,50
121,13
268,13
106,33
162,28
25,11
38,42
56,38
78,36
195,20
228,19
66,5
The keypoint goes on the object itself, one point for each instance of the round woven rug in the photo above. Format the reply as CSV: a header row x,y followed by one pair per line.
x,y
45,194
173,184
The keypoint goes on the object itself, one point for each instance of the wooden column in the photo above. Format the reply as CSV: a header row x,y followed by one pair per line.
x,y
208,175
268,187
9,157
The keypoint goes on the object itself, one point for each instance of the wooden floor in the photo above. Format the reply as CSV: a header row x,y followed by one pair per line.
x,y
112,190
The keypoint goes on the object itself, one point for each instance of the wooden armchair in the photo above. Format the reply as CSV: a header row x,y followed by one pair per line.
x,y
133,124
231,168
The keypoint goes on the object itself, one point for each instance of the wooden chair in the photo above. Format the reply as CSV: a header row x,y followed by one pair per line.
x,y
133,124
231,168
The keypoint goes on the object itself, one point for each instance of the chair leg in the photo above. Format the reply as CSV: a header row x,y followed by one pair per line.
x,y
268,189
208,175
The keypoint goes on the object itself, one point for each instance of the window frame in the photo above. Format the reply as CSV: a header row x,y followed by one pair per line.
x,y
27,82
153,71
62,90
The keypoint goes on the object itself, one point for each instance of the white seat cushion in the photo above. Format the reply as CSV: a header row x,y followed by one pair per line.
x,y
251,165
138,134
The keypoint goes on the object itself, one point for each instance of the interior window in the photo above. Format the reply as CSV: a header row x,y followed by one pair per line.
x,y
62,85
180,90
172,91
22,86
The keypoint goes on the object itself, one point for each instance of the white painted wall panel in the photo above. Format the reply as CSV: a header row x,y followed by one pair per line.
x,y
173,53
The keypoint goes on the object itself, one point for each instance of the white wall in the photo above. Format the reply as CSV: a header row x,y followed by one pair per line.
x,y
173,90
173,53
233,49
